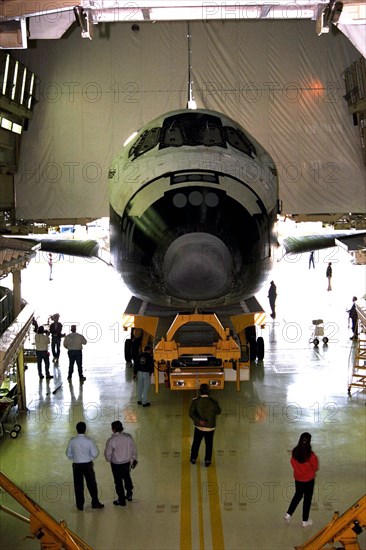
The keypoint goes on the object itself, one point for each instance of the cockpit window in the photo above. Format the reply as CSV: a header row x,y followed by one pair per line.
x,y
237,139
192,129
148,140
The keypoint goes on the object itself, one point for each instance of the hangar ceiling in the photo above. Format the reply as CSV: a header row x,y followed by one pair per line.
x,y
287,87
21,20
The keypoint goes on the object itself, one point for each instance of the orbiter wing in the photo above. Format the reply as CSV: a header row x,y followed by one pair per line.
x,y
352,240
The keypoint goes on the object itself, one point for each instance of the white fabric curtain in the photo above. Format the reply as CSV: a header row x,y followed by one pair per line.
x,y
278,79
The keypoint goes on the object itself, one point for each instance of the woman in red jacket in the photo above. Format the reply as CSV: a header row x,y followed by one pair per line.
x,y
305,465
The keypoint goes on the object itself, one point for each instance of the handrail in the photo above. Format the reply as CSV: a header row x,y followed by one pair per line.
x,y
14,514
43,526
361,312
13,338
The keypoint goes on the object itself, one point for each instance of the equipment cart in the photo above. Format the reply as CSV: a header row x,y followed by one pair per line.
x,y
7,403
30,356
318,332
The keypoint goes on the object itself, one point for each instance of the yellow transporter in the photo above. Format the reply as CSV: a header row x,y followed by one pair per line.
x,y
190,349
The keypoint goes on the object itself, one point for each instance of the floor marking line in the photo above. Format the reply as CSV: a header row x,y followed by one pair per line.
x,y
217,533
200,509
185,491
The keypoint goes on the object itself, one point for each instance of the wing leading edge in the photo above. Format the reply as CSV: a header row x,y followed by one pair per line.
x,y
85,249
307,243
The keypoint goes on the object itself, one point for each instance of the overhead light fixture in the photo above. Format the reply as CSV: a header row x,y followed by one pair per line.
x,y
16,128
328,16
333,12
84,20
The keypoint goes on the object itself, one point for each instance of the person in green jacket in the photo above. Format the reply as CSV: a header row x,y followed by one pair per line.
x,y
203,411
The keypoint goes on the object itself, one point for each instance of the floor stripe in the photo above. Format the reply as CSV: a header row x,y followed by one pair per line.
x,y
215,511
185,493
200,509
217,533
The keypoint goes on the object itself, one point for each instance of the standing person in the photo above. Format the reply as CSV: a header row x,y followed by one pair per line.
x,y
311,259
353,315
272,296
203,411
120,451
74,342
143,369
50,265
56,335
305,465
329,273
82,450
42,342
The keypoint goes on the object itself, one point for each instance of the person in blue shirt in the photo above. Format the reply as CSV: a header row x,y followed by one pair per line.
x,y
82,450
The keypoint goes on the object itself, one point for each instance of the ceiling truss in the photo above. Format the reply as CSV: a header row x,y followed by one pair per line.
x,y
43,19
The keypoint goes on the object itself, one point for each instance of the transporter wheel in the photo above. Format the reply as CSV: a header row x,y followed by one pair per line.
x,y
17,427
13,434
128,350
244,353
260,348
325,340
316,342
252,350
251,338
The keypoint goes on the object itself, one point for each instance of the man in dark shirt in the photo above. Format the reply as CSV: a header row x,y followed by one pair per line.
x,y
272,296
56,335
203,411
353,315
329,273
143,369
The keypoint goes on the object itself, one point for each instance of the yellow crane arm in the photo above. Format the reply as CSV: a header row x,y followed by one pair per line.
x,y
50,533
343,529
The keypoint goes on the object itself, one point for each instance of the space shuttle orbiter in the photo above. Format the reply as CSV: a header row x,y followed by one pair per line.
x,y
194,201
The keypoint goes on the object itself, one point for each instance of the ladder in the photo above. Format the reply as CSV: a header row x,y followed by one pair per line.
x,y
358,376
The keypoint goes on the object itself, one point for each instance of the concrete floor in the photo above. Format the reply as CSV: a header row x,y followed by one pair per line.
x,y
239,502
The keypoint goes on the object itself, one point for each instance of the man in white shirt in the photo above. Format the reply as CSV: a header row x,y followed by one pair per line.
x,y
74,342
82,450
42,342
120,451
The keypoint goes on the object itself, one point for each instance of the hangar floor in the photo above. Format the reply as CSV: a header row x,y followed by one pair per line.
x,y
239,502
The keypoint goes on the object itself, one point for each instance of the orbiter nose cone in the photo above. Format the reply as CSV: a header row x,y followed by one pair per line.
x,y
197,266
